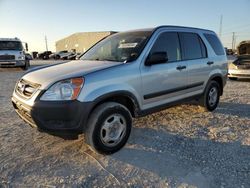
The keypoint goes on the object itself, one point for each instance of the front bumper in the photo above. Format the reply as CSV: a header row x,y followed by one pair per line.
x,y
238,73
12,63
51,116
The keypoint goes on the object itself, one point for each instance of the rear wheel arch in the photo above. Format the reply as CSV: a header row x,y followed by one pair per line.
x,y
211,96
218,78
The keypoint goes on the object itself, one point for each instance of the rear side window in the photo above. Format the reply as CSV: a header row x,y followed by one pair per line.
x,y
192,46
168,42
215,44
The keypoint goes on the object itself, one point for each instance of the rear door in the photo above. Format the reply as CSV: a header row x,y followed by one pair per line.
x,y
165,82
194,53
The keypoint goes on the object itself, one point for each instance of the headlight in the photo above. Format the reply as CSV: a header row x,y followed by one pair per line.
x,y
232,66
64,90
21,57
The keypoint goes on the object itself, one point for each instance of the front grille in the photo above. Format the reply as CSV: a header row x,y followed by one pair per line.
x,y
26,89
7,57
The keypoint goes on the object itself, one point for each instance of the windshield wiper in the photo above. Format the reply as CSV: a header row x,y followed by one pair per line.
x,y
98,59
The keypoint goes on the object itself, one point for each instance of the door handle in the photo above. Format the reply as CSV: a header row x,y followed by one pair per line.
x,y
210,62
181,67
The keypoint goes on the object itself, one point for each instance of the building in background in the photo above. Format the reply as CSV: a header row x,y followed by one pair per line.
x,y
80,42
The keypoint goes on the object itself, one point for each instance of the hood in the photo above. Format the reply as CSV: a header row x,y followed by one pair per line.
x,y
49,75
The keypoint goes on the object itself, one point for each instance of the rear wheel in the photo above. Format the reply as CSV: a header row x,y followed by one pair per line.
x,y
211,96
108,128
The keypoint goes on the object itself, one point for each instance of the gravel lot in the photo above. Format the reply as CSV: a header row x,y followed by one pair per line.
x,y
180,147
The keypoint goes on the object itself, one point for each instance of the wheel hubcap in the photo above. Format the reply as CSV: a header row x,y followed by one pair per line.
x,y
212,96
113,130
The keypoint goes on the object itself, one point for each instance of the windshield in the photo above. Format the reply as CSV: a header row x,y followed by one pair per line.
x,y
121,47
11,45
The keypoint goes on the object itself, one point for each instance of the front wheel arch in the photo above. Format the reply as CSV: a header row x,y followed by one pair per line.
x,y
122,97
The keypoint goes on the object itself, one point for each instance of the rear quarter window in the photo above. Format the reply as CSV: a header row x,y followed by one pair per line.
x,y
215,44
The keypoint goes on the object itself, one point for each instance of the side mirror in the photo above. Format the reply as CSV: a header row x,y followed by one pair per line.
x,y
26,47
156,58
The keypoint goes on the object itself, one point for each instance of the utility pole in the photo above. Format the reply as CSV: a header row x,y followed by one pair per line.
x,y
233,39
220,31
235,36
46,43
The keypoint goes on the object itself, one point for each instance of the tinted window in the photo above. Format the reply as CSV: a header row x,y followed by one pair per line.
x,y
11,45
203,49
215,44
192,46
168,42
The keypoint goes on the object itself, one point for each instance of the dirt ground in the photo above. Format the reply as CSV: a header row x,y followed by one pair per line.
x,y
180,147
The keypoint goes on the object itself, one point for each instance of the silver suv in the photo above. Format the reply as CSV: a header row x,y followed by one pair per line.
x,y
128,74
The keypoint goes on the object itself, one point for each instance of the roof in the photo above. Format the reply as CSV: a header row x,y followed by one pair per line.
x,y
143,29
182,27
172,27
10,39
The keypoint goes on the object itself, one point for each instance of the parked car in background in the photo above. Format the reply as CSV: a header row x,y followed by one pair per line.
x,y
59,55
28,56
65,56
44,55
12,53
34,55
128,74
240,68
74,56
229,51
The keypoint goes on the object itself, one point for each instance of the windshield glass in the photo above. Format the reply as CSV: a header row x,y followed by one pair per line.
x,y
11,45
119,47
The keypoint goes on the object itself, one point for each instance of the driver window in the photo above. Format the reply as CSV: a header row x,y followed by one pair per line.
x,y
168,42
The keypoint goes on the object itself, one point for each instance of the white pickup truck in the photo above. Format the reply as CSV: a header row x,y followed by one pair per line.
x,y
12,53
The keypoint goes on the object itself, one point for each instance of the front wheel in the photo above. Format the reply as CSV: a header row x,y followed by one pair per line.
x,y
26,66
108,128
211,96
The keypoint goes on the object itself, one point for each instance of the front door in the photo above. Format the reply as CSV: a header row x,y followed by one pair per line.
x,y
165,82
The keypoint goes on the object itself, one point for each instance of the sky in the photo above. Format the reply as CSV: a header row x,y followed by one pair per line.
x,y
32,20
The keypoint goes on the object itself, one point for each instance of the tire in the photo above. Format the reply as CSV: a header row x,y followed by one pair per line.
x,y
211,96
26,66
109,115
233,78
